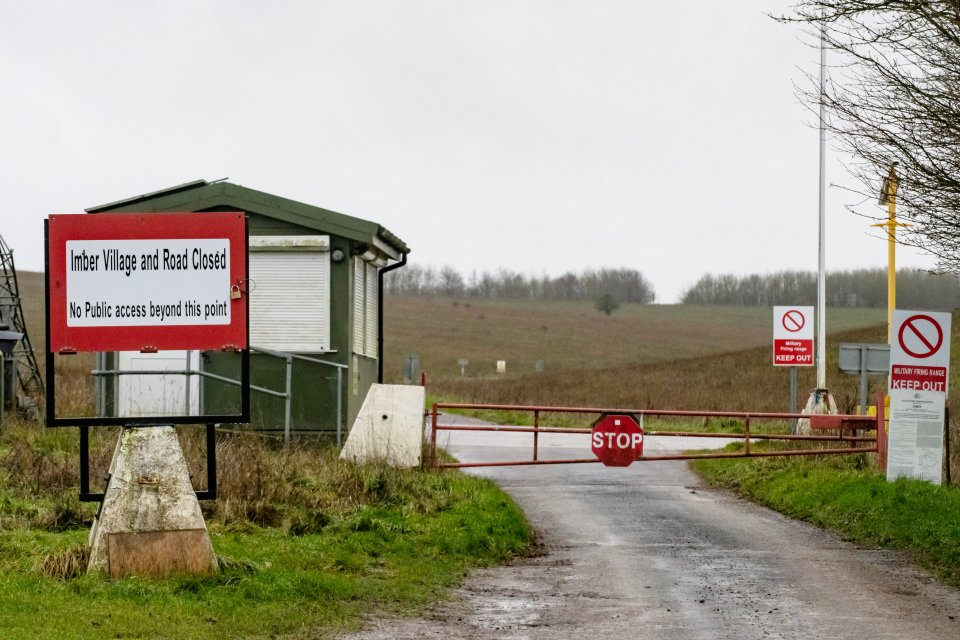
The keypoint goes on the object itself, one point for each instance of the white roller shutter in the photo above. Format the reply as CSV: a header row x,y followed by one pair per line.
x,y
359,300
365,307
290,300
371,310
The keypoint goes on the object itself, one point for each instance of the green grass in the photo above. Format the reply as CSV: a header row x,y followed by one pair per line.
x,y
309,545
275,584
849,496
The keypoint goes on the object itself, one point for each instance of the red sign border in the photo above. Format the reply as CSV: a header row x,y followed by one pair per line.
x,y
143,226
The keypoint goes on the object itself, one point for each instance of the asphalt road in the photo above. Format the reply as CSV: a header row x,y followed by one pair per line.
x,y
649,552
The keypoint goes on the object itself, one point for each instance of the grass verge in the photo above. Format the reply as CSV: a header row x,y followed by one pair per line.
x,y
849,496
308,545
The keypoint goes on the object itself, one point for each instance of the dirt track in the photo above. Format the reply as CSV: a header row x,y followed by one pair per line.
x,y
648,552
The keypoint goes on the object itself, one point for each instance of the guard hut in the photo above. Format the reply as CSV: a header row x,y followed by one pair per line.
x,y
315,288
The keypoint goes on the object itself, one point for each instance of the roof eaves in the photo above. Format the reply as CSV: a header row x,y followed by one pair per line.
x,y
186,186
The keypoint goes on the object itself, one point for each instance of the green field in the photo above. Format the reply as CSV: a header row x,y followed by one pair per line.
x,y
570,336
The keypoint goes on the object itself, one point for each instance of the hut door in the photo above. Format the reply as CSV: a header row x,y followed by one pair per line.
x,y
158,395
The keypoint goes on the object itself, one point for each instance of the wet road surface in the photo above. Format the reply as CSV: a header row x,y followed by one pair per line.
x,y
649,552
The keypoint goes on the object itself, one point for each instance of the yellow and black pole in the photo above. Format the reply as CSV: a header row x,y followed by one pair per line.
x,y
888,196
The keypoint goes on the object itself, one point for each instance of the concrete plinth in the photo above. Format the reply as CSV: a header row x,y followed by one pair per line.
x,y
389,427
150,522
820,402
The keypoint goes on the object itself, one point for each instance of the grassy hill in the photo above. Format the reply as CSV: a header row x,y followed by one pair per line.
x,y
572,336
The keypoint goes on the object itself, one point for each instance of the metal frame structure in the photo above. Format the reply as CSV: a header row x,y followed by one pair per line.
x,y
27,372
852,442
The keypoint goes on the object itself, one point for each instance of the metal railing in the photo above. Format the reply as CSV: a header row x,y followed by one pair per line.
x,y
852,442
286,394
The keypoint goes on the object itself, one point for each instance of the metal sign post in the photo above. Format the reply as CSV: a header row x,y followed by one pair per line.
x,y
865,360
793,344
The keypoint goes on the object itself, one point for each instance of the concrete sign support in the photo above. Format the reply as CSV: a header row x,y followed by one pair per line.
x,y
919,375
151,523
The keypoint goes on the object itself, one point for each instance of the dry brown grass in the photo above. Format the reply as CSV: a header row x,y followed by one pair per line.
x,y
303,486
300,486
67,564
737,381
570,336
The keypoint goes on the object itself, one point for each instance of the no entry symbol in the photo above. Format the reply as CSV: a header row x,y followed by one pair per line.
x,y
920,336
793,320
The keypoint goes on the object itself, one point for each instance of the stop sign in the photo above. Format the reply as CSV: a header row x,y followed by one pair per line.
x,y
617,439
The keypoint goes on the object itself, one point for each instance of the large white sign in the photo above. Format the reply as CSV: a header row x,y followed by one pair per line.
x,y
919,374
156,282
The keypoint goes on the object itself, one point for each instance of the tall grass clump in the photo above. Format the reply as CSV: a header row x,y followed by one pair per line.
x,y
303,486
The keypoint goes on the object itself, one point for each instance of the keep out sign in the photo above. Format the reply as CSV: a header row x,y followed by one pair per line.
x,y
919,382
918,378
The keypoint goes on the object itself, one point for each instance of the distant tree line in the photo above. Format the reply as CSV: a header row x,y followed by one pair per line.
x,y
622,285
857,288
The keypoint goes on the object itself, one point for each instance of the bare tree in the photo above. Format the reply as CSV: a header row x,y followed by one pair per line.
x,y
894,97
451,282
607,303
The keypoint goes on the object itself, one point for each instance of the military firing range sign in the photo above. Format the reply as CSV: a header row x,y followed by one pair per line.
x,y
146,282
919,372
793,336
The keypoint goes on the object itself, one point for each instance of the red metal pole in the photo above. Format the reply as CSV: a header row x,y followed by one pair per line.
x,y
746,433
536,433
433,435
881,434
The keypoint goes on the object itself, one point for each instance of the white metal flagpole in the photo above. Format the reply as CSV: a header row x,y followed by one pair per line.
x,y
821,267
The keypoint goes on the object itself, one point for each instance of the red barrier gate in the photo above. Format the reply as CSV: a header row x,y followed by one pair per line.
x,y
847,438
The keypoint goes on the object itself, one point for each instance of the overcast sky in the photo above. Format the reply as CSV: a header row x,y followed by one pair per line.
x,y
539,137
